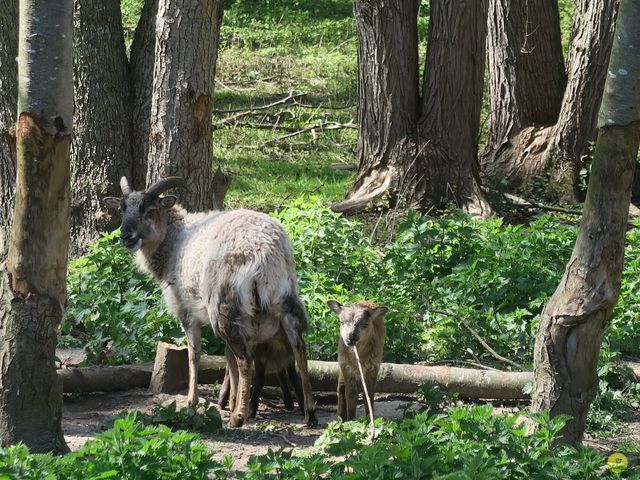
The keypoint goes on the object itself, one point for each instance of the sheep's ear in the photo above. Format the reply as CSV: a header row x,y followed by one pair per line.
x,y
335,306
111,202
168,201
379,312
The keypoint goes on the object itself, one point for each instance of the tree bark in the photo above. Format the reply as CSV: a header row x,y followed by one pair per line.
x,y
100,148
572,324
543,156
187,37
592,37
406,143
8,99
526,81
141,66
33,285
452,103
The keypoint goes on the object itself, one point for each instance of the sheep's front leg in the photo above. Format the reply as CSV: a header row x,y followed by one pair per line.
x,y
192,330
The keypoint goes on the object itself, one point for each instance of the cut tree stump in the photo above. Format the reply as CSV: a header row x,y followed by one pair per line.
x,y
170,369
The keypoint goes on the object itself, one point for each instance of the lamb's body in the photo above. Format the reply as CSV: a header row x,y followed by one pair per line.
x,y
233,269
361,327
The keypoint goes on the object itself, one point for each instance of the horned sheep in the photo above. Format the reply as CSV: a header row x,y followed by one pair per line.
x,y
234,269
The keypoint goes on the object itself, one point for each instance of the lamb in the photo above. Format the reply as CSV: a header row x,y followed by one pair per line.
x,y
273,357
361,327
234,269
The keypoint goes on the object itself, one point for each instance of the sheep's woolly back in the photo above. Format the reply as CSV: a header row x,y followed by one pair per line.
x,y
209,258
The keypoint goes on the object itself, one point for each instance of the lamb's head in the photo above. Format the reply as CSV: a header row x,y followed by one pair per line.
x,y
144,213
355,319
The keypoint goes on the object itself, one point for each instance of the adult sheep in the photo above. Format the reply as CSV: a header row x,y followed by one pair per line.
x,y
234,269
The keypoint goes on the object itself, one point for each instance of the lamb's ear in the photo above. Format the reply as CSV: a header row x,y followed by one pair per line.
x,y
112,203
335,306
168,201
379,312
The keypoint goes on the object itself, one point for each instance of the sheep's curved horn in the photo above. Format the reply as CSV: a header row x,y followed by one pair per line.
x,y
165,184
124,186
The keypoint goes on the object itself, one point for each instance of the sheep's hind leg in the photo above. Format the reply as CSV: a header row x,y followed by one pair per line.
x,y
294,312
223,396
241,412
258,383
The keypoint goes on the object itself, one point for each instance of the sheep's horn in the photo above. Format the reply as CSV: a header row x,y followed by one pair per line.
x,y
165,184
124,186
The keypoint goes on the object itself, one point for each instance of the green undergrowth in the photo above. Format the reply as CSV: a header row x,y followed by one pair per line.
x,y
462,444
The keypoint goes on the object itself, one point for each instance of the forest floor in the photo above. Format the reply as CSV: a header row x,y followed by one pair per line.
x,y
87,415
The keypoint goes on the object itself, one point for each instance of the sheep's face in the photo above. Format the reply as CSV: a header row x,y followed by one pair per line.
x,y
355,319
144,219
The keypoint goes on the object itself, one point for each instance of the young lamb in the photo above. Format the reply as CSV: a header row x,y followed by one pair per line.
x,y
274,357
234,269
361,327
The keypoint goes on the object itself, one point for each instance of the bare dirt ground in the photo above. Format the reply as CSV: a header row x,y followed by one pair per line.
x,y
85,416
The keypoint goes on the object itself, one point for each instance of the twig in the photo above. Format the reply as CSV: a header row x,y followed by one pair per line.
x,y
477,336
291,96
372,432
319,126
284,437
521,202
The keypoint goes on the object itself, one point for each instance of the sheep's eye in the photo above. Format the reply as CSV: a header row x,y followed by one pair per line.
x,y
150,212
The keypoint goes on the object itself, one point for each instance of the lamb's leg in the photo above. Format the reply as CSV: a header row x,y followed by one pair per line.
x,y
232,369
223,396
294,378
258,383
342,401
284,386
192,330
351,396
370,380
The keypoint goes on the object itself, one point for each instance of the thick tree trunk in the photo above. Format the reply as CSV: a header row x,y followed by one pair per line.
x,y
451,105
388,98
100,148
33,286
141,65
526,82
572,324
8,99
592,29
186,49
545,157
416,159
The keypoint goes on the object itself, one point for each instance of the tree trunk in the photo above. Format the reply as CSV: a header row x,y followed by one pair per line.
x,y
592,32
451,105
572,324
33,286
409,156
100,148
186,48
545,157
8,98
526,82
141,65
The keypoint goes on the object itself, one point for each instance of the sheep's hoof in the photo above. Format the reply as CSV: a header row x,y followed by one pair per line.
x,y
311,419
236,420
192,402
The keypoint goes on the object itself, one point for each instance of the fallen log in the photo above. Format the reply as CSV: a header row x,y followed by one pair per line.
x,y
393,378
104,378
398,378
